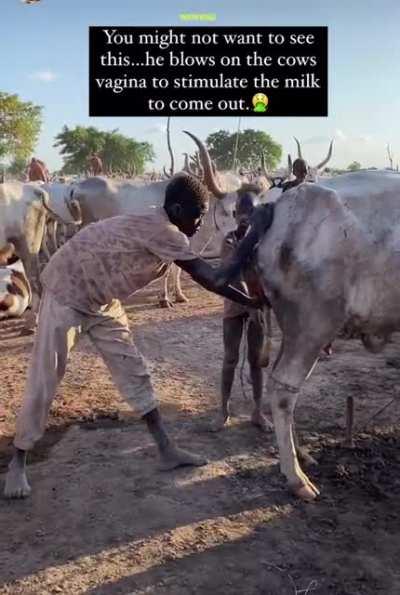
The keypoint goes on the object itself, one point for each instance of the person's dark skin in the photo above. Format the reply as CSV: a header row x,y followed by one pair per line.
x,y
300,173
188,222
260,222
233,330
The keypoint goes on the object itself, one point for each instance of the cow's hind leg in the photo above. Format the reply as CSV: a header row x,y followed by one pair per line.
x,y
295,364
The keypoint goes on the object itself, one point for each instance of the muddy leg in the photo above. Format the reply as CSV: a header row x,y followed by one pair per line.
x,y
171,455
17,485
255,341
163,299
232,334
180,297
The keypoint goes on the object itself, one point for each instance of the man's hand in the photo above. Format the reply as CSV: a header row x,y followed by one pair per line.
x,y
208,278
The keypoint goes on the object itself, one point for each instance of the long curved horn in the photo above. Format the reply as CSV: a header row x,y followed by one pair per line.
x,y
209,177
166,173
299,155
171,170
289,164
325,161
186,166
264,169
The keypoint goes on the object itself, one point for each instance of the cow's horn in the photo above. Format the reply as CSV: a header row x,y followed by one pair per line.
x,y
264,169
171,169
299,155
209,177
325,161
186,166
290,164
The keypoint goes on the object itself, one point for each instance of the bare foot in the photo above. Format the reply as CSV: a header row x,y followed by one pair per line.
x,y
17,485
221,420
173,457
164,303
261,421
181,298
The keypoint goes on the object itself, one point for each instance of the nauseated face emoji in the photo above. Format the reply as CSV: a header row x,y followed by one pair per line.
x,y
260,102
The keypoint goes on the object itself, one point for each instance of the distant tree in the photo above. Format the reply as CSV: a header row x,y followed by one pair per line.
x,y
18,168
20,123
118,152
354,166
250,145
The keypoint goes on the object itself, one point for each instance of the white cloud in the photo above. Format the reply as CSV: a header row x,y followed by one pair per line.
x,y
156,129
340,135
364,138
46,76
316,140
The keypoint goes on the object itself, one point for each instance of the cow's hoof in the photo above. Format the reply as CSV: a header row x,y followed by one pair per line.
x,y
261,421
166,304
181,298
17,485
306,491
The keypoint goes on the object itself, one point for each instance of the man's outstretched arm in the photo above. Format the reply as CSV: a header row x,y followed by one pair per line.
x,y
260,222
207,277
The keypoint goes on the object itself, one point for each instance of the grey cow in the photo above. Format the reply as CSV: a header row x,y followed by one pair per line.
x,y
330,258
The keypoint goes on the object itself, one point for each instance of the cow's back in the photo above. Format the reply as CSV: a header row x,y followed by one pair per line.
x,y
101,198
339,245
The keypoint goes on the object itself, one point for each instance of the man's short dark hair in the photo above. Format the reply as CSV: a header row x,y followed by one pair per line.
x,y
187,191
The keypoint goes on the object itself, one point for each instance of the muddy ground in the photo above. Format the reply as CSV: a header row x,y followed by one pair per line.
x,y
103,520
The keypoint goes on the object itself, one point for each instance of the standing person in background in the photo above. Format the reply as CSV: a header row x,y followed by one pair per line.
x,y
95,165
239,319
37,171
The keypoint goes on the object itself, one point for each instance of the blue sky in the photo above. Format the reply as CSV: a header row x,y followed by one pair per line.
x,y
44,58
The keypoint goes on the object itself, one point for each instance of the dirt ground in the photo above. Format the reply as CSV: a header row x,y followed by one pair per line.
x,y
104,520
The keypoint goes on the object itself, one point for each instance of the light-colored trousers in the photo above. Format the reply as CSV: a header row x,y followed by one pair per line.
x,y
59,328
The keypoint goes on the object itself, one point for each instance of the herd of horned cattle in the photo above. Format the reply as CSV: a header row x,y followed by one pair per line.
x,y
329,260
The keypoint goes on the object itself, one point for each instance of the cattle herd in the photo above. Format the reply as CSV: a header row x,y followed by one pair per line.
x,y
330,260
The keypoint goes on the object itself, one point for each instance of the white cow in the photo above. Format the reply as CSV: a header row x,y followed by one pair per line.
x,y
15,290
23,212
331,258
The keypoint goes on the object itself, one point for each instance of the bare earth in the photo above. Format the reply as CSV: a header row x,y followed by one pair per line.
x,y
103,520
